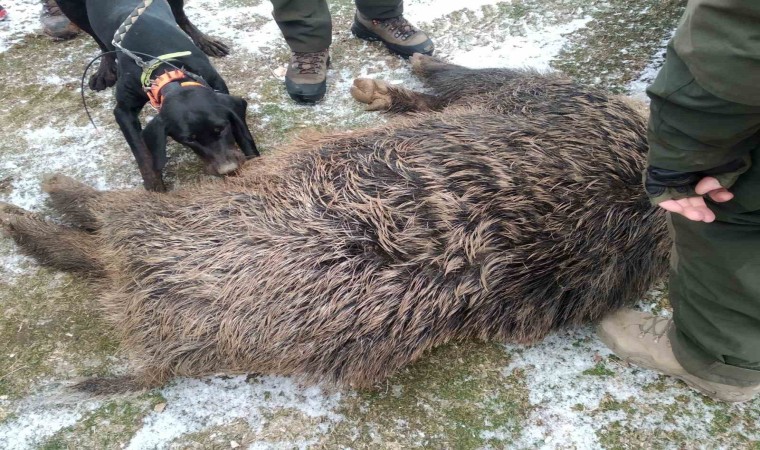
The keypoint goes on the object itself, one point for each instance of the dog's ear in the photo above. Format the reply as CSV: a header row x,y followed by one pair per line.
x,y
236,107
154,136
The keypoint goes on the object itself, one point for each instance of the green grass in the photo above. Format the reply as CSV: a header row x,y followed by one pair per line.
x,y
108,427
457,397
49,326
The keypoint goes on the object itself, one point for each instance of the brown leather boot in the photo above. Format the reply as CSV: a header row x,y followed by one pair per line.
x,y
306,79
398,35
54,23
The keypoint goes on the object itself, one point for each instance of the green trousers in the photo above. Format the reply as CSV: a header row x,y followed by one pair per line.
x,y
307,26
715,267
715,292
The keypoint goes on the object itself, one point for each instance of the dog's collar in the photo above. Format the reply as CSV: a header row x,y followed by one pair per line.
x,y
155,91
152,65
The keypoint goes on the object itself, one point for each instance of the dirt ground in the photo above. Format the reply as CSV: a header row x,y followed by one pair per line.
x,y
567,392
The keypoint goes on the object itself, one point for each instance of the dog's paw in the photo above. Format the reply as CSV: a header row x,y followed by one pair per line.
x,y
105,77
212,46
101,82
154,184
374,93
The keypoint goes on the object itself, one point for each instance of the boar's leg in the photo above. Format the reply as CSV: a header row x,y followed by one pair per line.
x,y
50,244
379,96
69,198
452,83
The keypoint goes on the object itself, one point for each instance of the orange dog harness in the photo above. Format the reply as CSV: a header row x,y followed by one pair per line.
x,y
154,91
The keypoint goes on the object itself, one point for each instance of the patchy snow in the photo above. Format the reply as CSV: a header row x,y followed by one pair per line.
x,y
23,19
13,265
41,415
62,150
554,371
568,404
536,48
193,405
429,10
637,88
232,24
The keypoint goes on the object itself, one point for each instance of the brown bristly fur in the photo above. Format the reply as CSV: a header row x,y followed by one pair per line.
x,y
510,209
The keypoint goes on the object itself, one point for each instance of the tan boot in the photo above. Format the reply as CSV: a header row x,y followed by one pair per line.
x,y
54,23
400,36
306,78
642,339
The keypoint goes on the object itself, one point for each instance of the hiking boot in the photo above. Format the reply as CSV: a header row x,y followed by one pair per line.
x,y
642,339
400,36
54,23
3,13
306,78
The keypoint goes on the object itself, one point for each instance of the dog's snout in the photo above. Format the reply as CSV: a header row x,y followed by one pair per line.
x,y
227,167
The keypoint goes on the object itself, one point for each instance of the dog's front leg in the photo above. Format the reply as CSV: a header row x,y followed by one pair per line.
x,y
126,117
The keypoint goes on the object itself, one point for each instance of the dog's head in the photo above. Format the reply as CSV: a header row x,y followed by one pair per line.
x,y
210,123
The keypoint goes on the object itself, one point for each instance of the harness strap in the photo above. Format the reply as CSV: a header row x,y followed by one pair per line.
x,y
124,28
148,69
129,21
155,94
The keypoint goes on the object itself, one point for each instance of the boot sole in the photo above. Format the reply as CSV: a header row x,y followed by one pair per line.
x,y
309,98
362,32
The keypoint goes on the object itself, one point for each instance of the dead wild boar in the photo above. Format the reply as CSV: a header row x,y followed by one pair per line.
x,y
505,205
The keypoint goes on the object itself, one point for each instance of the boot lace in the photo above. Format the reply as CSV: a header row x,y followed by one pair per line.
x,y
656,326
308,63
399,26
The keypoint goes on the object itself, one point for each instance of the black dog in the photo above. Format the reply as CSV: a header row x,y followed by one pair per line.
x,y
194,106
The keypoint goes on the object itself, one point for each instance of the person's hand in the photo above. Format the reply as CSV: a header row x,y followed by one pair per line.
x,y
695,208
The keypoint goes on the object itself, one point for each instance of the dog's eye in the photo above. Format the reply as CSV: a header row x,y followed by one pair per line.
x,y
217,130
193,137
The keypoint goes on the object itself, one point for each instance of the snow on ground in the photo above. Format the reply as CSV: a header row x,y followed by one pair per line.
x,y
227,23
41,415
198,404
22,20
577,393
536,49
60,149
637,87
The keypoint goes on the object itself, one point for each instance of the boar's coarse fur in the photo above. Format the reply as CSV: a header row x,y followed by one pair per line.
x,y
505,205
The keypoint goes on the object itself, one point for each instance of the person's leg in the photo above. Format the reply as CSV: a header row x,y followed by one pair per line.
x,y
3,13
380,9
713,341
715,288
383,20
54,23
305,24
307,28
